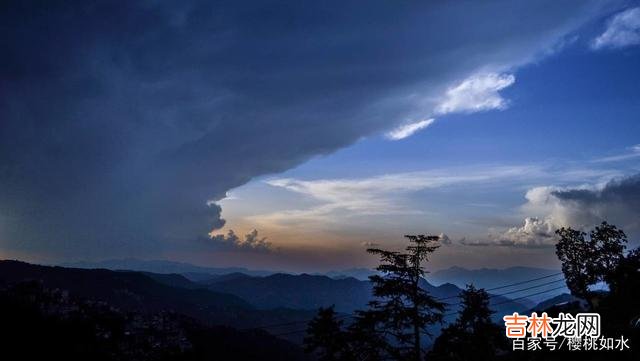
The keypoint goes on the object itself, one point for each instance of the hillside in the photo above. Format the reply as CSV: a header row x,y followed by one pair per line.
x,y
147,293
314,291
279,303
41,323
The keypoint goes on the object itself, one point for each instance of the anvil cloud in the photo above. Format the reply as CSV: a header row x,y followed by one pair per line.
x,y
120,119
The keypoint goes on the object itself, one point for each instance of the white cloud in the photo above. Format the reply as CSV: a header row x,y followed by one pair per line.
x,y
616,201
534,232
477,93
633,152
377,195
622,30
407,130
338,199
548,213
444,239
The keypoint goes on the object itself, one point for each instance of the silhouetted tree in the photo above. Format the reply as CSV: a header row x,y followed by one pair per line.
x,y
588,261
473,336
621,305
624,281
401,305
601,258
397,319
326,338
367,337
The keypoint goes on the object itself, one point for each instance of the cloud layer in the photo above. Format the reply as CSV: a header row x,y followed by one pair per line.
x,y
617,202
622,30
379,195
121,119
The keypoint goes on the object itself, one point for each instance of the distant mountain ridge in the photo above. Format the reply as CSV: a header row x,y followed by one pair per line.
x,y
297,291
361,274
490,277
164,266
202,273
317,290
346,294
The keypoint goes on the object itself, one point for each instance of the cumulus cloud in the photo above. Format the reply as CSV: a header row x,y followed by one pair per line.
x,y
533,232
408,130
121,119
622,30
251,242
444,239
616,201
480,92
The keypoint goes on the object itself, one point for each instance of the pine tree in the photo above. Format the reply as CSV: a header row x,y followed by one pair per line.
x,y
366,337
397,319
326,338
473,336
403,307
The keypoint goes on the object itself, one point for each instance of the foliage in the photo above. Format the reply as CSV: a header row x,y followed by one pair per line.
x,y
473,336
404,308
325,336
601,258
398,317
588,261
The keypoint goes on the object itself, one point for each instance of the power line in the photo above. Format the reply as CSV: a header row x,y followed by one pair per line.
x,y
448,314
514,299
277,325
529,295
523,282
516,291
508,285
528,288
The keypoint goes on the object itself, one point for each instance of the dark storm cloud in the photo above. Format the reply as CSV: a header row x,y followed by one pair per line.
x,y
617,202
120,119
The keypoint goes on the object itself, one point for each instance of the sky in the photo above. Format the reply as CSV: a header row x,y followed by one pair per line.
x,y
294,135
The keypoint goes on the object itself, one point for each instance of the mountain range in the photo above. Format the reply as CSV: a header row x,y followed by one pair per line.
x,y
280,290
145,292
277,303
164,266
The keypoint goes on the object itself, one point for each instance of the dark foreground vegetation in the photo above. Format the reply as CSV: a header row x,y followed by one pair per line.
x,y
39,323
70,314
396,323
